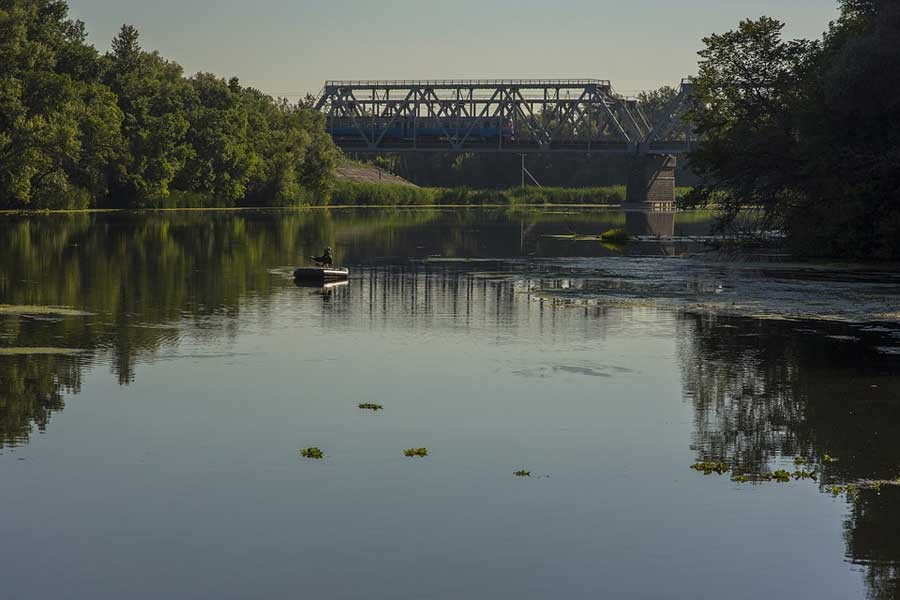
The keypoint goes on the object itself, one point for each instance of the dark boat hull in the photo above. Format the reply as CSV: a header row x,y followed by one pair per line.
x,y
321,274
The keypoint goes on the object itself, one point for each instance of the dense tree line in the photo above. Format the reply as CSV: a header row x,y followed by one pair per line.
x,y
807,132
127,129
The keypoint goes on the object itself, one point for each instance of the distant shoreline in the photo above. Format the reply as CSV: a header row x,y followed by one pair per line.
x,y
47,212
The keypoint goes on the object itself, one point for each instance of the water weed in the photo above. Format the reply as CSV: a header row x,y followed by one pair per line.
x,y
312,453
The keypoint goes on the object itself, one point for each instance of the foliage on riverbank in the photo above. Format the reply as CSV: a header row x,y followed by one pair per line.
x,y
807,131
127,129
368,194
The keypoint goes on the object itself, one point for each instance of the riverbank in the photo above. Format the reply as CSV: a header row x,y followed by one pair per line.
x,y
359,194
364,194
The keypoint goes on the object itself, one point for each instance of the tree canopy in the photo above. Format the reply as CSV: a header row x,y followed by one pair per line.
x,y
808,132
127,129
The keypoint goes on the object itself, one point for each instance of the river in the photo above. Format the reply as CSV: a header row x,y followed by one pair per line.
x,y
161,372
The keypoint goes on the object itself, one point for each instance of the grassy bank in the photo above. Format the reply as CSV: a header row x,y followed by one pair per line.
x,y
370,194
353,193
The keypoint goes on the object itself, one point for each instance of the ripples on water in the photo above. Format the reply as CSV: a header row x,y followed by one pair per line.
x,y
162,459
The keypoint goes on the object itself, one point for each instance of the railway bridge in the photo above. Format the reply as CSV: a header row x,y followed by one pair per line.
x,y
514,116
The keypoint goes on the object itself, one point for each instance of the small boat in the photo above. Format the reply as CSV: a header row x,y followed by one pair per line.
x,y
321,274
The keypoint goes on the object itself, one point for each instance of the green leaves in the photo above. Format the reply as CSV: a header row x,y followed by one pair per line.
x,y
126,129
805,131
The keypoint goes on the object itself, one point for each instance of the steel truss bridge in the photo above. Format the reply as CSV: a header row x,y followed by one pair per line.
x,y
508,115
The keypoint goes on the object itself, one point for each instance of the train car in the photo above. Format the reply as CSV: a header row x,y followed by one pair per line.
x,y
425,128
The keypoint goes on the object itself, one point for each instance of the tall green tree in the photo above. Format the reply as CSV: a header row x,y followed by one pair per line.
x,y
152,94
806,133
58,125
746,112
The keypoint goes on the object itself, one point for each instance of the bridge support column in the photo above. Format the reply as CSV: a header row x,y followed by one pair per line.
x,y
651,182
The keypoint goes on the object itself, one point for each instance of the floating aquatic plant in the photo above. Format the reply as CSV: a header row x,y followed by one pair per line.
x,y
522,473
708,468
312,453
56,311
416,452
836,490
619,236
369,406
803,474
781,476
800,461
39,351
828,459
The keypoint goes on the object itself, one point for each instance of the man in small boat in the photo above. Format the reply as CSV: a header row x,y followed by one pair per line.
x,y
325,260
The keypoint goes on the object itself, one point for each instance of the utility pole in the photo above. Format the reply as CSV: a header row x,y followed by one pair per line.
x,y
525,172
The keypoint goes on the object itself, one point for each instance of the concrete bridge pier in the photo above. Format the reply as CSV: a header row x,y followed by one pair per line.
x,y
651,182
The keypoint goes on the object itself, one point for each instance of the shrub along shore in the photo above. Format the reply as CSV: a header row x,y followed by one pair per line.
x,y
371,194
351,194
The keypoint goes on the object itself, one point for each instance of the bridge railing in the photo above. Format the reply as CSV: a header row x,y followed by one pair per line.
x,y
464,83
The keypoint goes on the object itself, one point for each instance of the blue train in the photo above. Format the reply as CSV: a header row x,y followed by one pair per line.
x,y
427,128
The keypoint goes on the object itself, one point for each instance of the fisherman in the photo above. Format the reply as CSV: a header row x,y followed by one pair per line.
x,y
325,260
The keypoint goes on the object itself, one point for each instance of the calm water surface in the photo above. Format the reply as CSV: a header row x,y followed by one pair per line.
x,y
159,457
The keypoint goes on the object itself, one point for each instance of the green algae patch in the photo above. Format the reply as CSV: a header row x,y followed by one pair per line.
x,y
49,311
372,407
415,452
522,473
40,351
708,468
312,453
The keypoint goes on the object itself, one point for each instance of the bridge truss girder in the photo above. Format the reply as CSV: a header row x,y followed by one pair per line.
x,y
546,116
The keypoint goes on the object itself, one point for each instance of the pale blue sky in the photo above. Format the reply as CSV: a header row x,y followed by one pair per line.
x,y
289,47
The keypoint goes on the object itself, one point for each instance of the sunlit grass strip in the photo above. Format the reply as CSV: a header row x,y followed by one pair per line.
x,y
380,194
24,309
18,351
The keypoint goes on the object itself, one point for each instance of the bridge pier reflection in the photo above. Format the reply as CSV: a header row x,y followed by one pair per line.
x,y
656,223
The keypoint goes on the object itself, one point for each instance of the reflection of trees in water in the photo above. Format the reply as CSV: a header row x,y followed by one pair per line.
x,y
873,540
742,380
151,278
762,390
32,389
